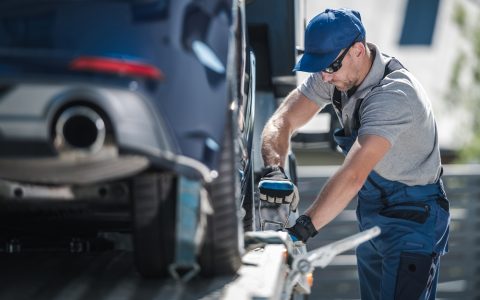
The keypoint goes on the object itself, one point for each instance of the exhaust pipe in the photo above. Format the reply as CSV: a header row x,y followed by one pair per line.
x,y
79,129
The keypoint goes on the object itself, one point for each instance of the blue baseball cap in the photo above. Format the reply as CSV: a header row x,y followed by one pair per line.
x,y
326,35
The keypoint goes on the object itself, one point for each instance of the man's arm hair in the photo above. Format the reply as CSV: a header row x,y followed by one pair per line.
x,y
295,111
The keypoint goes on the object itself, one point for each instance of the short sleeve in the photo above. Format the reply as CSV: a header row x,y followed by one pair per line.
x,y
386,114
315,89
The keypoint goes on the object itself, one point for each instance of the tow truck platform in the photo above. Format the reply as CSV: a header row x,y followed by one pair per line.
x,y
273,268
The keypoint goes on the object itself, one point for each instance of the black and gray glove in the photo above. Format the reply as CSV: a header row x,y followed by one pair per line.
x,y
275,187
302,230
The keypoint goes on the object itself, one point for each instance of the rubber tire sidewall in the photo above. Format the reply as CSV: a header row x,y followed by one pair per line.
x,y
220,253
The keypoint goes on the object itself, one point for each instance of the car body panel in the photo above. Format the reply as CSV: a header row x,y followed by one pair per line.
x,y
176,122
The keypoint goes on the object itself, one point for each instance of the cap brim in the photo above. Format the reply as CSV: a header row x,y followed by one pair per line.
x,y
313,63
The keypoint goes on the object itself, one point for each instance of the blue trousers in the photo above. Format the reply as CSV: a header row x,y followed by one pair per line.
x,y
403,261
396,276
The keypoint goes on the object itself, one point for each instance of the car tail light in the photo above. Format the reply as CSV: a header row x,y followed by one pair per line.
x,y
116,66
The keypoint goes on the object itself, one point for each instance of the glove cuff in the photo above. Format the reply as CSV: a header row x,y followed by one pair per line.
x,y
303,228
306,222
272,168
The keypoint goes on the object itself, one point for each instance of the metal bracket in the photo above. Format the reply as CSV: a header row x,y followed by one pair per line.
x,y
321,257
185,266
283,224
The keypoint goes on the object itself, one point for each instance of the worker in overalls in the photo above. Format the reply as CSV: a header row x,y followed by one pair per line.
x,y
392,163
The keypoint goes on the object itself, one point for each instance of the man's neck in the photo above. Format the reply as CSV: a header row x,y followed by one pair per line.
x,y
367,65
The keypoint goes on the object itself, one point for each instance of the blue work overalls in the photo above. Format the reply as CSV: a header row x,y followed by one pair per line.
x,y
403,262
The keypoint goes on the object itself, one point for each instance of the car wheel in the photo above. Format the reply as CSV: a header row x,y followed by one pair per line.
x,y
248,201
220,254
153,205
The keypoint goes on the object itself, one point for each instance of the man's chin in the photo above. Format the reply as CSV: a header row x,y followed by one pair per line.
x,y
341,88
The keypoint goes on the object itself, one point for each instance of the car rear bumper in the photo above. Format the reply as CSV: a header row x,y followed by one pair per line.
x,y
84,171
137,136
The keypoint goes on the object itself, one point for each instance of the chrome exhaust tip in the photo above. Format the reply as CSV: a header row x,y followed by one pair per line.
x,y
79,129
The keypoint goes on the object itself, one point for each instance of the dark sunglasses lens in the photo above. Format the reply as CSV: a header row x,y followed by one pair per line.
x,y
337,64
334,67
328,70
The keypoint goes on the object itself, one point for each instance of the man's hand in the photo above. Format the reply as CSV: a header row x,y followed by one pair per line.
x,y
275,187
302,230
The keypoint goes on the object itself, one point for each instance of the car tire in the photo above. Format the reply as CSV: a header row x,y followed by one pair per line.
x,y
220,253
154,228
248,203
153,208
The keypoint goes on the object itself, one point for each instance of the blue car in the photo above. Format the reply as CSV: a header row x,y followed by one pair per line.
x,y
128,116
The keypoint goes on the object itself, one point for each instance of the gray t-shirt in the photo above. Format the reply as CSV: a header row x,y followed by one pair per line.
x,y
396,108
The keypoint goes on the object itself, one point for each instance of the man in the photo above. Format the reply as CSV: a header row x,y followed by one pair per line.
x,y
392,159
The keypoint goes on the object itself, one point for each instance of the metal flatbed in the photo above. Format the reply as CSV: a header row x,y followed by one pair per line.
x,y
272,269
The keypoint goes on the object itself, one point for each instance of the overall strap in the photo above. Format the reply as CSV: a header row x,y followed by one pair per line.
x,y
391,66
337,101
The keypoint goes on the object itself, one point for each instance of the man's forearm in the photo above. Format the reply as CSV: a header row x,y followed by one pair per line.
x,y
275,143
294,112
334,197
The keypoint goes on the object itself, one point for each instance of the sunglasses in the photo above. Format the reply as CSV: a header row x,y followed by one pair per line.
x,y
337,64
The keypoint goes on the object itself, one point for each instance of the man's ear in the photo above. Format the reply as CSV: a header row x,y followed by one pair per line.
x,y
358,49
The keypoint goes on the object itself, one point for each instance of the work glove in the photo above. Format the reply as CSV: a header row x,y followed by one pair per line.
x,y
302,230
275,187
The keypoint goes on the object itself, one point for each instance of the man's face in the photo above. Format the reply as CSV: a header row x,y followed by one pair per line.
x,y
345,77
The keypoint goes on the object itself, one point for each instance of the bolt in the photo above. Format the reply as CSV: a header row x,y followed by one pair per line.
x,y
304,266
18,192
78,245
13,246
